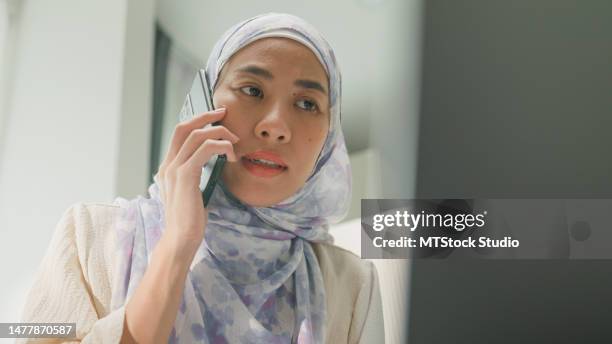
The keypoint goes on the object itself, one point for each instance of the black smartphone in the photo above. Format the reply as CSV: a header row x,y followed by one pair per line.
x,y
199,100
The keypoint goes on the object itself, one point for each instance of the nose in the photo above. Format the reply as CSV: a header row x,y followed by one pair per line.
x,y
273,126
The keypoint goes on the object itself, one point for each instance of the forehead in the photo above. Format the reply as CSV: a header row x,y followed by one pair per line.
x,y
285,55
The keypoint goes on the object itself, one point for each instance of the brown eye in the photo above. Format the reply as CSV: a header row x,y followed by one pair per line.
x,y
252,91
307,105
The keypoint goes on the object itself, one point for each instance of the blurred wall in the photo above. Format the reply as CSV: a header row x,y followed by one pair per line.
x,y
136,104
515,104
73,91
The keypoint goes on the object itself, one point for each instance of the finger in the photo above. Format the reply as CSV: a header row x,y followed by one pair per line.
x,y
199,136
182,130
206,151
159,179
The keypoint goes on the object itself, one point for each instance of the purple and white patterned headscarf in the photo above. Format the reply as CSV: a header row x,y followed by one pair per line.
x,y
255,277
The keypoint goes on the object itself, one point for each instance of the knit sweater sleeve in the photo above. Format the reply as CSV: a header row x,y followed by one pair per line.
x,y
73,282
368,321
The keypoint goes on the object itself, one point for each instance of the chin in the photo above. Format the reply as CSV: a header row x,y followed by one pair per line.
x,y
256,196
253,193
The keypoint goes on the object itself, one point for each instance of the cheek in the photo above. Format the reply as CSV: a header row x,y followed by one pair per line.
x,y
233,119
316,135
314,142
222,97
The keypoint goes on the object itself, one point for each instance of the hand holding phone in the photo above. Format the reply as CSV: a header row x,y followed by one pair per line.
x,y
198,101
188,173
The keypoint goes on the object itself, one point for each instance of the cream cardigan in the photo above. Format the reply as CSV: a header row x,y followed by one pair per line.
x,y
74,282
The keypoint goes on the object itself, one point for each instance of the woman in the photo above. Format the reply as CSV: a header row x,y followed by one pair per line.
x,y
257,265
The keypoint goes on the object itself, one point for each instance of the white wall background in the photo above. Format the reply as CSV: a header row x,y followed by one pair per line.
x,y
79,81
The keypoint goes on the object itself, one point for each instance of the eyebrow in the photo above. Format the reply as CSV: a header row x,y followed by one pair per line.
x,y
252,69
309,84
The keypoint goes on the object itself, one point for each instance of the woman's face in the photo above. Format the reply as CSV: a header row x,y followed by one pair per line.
x,y
276,95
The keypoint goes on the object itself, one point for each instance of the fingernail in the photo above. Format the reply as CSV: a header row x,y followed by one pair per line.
x,y
219,110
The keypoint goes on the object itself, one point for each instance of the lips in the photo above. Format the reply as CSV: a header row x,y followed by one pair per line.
x,y
264,164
